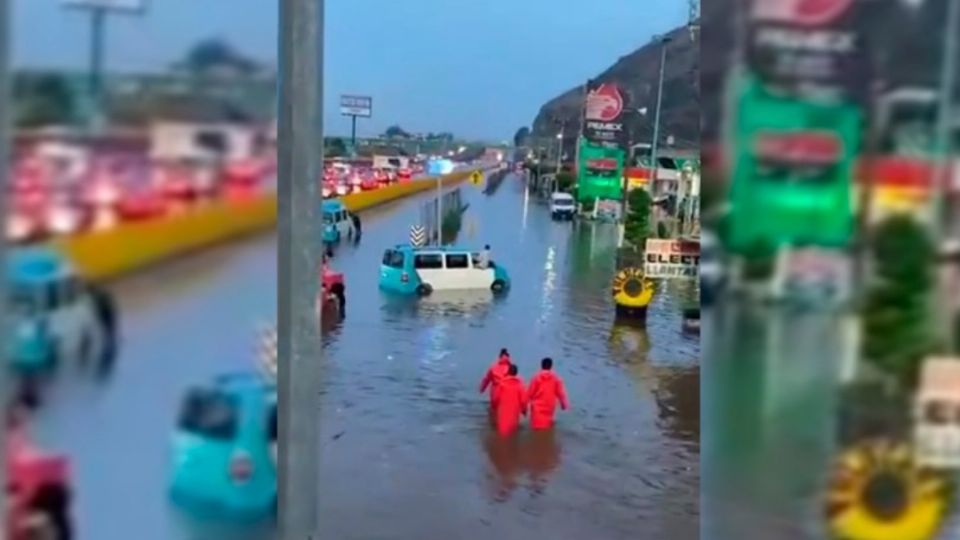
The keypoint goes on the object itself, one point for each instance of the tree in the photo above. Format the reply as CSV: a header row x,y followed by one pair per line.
x,y
215,54
334,147
396,132
566,181
521,136
637,222
43,100
896,322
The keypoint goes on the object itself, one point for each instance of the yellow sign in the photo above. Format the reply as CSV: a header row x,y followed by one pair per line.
x,y
476,178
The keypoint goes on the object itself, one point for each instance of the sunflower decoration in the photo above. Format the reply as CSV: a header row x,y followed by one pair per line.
x,y
631,288
878,492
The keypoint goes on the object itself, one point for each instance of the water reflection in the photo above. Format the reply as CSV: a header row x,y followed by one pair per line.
x,y
531,455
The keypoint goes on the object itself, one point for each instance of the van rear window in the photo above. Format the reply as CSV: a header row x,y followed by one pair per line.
x,y
210,413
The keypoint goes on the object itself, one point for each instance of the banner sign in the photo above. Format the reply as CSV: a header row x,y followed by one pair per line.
x,y
672,258
604,107
356,106
131,6
809,47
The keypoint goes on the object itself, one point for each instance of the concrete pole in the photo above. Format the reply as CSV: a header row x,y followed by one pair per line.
x,y
300,135
5,119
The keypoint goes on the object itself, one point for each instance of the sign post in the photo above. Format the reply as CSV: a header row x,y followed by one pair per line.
x,y
99,9
300,133
354,107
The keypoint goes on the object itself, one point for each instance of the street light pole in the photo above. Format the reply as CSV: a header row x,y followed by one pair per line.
x,y
942,224
300,134
656,114
98,21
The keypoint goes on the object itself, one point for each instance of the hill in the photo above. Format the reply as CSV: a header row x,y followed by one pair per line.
x,y
637,74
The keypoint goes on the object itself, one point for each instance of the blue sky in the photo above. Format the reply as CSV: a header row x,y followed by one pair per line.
x,y
476,68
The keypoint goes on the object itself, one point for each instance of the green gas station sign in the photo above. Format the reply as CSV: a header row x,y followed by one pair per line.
x,y
793,168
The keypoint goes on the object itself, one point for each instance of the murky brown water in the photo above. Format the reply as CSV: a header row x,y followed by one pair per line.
x,y
407,451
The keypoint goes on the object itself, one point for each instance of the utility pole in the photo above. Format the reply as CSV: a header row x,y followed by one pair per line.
x,y
5,119
941,217
656,115
98,20
300,133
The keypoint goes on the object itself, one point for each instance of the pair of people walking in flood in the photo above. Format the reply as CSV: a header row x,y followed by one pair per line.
x,y
510,399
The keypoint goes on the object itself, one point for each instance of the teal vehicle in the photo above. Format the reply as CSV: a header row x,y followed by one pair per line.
x,y
337,222
421,270
224,448
53,314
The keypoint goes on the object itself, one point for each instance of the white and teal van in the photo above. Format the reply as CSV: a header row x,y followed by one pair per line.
x,y
53,315
336,222
421,270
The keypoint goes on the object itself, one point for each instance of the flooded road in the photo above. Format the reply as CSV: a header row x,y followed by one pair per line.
x,y
406,429
407,452
770,408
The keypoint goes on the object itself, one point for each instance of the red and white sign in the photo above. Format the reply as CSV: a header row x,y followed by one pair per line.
x,y
605,103
807,147
800,12
671,258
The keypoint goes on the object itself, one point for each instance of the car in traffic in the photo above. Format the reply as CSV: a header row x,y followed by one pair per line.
x,y
562,206
406,269
54,315
224,448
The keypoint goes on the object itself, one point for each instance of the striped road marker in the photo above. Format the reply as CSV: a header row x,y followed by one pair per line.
x,y
267,352
418,236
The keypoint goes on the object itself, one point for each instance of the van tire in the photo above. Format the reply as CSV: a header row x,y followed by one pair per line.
x,y
498,286
424,289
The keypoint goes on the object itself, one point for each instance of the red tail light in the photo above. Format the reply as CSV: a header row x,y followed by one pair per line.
x,y
241,468
404,277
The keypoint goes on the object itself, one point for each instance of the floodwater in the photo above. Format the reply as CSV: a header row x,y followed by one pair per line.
x,y
407,451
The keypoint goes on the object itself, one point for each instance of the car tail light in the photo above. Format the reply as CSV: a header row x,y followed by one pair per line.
x,y
241,468
404,277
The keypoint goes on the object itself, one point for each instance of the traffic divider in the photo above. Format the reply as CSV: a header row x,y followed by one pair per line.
x,y
130,247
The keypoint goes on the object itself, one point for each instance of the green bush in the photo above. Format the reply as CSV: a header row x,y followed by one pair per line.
x,y
637,221
566,181
897,325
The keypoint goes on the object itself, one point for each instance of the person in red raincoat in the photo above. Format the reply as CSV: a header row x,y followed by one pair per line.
x,y
511,403
494,375
545,391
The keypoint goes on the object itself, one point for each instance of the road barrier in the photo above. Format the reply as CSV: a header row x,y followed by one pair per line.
x,y
129,247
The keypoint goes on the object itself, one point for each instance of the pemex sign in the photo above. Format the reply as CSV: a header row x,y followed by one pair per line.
x,y
603,111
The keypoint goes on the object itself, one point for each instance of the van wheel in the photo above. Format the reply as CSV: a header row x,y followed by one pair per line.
x,y
424,289
498,286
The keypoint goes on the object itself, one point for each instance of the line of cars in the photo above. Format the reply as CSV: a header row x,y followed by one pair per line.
x,y
46,201
341,178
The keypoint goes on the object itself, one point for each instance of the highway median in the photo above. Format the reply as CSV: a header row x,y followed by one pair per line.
x,y
131,247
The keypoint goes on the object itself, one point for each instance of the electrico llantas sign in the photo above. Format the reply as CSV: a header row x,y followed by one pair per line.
x,y
602,114
808,47
671,258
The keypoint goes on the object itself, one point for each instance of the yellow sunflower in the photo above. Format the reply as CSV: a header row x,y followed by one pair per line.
x,y
631,288
877,492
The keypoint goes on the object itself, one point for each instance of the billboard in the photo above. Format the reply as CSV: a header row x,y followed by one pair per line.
x,y
603,111
134,6
356,106
671,258
809,45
